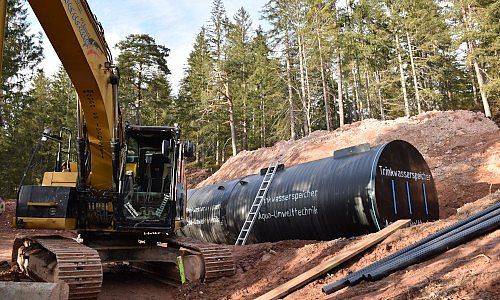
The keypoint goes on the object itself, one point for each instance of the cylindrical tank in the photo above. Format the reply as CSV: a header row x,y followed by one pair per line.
x,y
356,191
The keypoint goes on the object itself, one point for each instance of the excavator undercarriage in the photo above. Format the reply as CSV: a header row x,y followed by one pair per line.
x,y
53,258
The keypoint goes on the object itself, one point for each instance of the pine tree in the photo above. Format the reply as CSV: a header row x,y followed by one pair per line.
x,y
141,63
196,98
265,86
237,66
22,54
480,32
279,15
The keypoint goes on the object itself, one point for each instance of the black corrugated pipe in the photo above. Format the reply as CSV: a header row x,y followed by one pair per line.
x,y
357,191
358,276
434,249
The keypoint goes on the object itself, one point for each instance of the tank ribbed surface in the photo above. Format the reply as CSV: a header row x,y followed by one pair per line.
x,y
345,195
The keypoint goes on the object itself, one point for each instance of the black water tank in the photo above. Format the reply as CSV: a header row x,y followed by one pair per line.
x,y
356,191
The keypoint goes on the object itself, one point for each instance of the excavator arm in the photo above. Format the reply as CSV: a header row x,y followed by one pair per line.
x,y
78,40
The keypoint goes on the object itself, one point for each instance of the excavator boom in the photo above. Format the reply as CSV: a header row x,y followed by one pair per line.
x,y
79,42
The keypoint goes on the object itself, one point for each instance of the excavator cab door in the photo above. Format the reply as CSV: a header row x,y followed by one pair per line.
x,y
148,184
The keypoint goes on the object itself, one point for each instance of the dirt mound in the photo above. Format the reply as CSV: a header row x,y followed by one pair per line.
x,y
462,149
195,176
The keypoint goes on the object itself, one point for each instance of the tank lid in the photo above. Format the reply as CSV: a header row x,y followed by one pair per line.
x,y
280,167
351,150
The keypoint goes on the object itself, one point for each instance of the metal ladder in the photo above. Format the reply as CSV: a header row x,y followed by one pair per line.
x,y
257,202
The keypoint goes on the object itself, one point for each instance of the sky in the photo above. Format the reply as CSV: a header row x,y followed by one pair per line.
x,y
173,24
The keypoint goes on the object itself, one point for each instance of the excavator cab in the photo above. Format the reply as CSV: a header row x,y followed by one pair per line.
x,y
147,188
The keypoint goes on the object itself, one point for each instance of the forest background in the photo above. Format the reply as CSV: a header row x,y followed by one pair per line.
x,y
320,65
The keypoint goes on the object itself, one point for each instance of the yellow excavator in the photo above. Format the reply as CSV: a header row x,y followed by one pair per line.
x,y
124,195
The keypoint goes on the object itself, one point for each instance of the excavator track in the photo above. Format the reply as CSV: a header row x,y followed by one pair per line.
x,y
75,264
218,260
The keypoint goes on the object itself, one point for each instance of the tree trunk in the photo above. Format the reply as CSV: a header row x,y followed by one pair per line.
x,y
481,83
326,97
245,127
358,103
293,134
402,77
217,146
254,122
414,74
244,117
473,82
379,93
339,88
263,123
479,75
368,93
308,90
198,148
303,96
231,118
448,92
139,97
